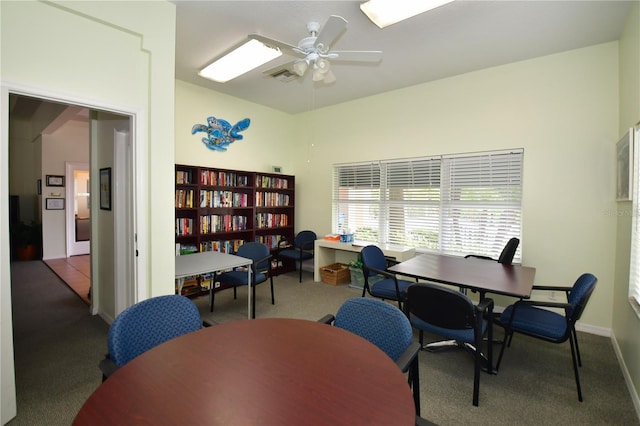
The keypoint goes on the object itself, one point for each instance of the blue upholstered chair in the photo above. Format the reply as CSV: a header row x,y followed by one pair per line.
x,y
451,314
260,271
388,328
388,286
145,325
533,319
303,245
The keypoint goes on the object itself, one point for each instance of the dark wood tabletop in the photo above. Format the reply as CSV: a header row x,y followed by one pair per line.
x,y
485,276
267,371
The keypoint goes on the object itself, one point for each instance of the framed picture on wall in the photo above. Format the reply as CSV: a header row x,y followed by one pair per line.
x,y
105,188
54,204
55,180
624,167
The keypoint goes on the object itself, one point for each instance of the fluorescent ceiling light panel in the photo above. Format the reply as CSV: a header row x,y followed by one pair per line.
x,y
387,12
249,55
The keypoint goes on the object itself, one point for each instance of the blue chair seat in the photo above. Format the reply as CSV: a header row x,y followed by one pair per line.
x,y
386,288
466,335
537,321
295,254
239,278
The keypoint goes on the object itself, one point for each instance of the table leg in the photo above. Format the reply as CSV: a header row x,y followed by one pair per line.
x,y
249,292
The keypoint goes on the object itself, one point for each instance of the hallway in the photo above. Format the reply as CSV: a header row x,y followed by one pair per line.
x,y
75,271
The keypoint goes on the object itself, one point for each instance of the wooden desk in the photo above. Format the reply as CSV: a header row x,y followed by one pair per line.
x,y
211,261
267,371
328,252
484,276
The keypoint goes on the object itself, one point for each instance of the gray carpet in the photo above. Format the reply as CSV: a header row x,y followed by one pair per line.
x,y
58,345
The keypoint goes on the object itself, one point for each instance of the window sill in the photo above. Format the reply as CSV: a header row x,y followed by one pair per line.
x,y
635,306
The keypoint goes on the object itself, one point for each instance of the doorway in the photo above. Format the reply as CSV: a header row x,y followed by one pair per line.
x,y
78,213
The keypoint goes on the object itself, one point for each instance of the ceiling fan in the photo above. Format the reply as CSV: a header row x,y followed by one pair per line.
x,y
315,51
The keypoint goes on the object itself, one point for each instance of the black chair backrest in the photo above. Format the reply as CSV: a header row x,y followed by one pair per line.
x,y
304,240
440,306
255,251
580,294
509,250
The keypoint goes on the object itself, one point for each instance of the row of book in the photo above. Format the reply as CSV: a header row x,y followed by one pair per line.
x,y
229,246
223,199
222,223
218,178
272,199
270,241
184,177
271,182
184,226
271,220
184,198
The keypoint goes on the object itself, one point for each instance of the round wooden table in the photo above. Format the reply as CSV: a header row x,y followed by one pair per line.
x,y
271,371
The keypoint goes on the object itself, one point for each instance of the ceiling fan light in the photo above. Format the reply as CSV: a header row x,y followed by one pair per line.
x,y
300,67
317,75
387,12
239,60
322,66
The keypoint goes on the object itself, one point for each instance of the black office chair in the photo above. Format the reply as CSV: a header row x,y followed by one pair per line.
x,y
260,271
388,328
389,287
303,245
445,312
506,256
531,318
147,324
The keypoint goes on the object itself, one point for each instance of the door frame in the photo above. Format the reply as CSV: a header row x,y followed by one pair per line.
x,y
70,168
138,167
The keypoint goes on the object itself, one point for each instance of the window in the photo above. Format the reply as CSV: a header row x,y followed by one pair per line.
x,y
634,272
455,204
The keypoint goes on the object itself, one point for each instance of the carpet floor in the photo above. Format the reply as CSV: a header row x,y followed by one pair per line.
x,y
58,345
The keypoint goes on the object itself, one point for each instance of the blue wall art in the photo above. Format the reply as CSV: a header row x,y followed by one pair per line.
x,y
220,133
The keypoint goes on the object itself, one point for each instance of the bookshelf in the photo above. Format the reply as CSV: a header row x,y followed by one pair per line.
x,y
220,209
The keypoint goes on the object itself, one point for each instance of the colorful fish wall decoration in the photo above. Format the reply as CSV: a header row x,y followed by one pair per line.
x,y
220,133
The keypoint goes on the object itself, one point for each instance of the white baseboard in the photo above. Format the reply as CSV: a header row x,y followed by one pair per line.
x,y
626,375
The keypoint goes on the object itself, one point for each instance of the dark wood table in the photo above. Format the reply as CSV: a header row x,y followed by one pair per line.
x,y
484,276
265,371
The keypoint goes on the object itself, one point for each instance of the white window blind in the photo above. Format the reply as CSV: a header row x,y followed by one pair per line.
x,y
357,200
634,272
413,202
481,202
456,204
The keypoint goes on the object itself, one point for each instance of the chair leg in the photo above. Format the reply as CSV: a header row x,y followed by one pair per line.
x,y
414,378
273,300
235,294
300,268
575,368
574,335
253,300
507,337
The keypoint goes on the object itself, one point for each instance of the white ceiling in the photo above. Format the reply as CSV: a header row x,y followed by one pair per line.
x,y
457,38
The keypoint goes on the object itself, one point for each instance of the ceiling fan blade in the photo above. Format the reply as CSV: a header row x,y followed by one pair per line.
x,y
284,47
276,70
357,55
334,26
